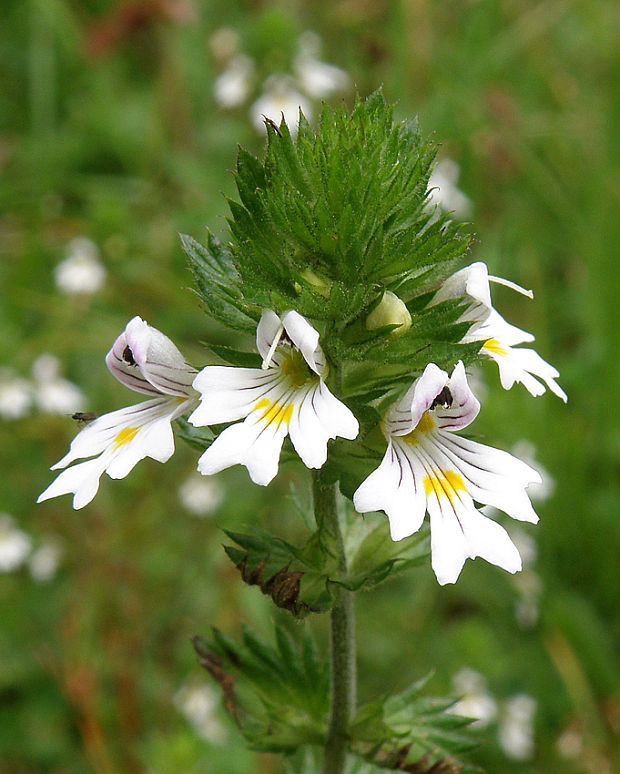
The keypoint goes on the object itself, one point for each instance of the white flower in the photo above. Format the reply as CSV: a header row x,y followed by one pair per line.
x,y
317,79
43,563
428,467
475,701
516,364
15,395
287,396
443,190
516,731
15,545
145,360
81,271
232,87
52,393
280,98
198,702
200,495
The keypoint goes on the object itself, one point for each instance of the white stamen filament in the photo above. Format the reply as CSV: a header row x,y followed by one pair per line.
x,y
274,345
512,286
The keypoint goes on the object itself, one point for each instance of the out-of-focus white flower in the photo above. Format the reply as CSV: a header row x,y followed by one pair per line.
x,y
280,98
198,702
53,394
15,395
516,730
232,87
15,545
44,562
145,360
200,495
428,467
81,271
317,79
444,192
476,701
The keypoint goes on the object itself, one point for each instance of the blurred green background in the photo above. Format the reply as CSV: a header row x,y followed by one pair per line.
x,y
119,121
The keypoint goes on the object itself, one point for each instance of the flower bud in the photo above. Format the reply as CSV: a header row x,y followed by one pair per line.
x,y
319,284
390,311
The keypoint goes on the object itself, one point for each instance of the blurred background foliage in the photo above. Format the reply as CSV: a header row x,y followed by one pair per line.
x,y
117,128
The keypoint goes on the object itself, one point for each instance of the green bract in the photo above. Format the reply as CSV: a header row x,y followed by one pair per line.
x,y
325,225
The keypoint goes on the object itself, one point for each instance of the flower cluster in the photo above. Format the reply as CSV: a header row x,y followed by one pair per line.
x,y
281,93
427,465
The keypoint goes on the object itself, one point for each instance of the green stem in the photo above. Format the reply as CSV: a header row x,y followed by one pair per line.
x,y
342,635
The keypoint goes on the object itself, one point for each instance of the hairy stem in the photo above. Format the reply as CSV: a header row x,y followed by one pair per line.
x,y
342,634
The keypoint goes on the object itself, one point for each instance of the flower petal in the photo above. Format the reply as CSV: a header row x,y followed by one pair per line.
x,y
254,444
101,432
158,359
403,417
229,393
472,282
269,327
395,487
145,360
465,405
517,364
82,480
306,339
492,476
317,417
495,327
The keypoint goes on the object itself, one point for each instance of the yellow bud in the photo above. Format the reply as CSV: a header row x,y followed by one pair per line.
x,y
390,311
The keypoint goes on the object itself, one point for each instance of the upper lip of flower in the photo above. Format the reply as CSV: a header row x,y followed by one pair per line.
x,y
145,360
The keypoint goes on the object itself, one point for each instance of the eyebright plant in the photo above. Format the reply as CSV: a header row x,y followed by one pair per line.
x,y
364,329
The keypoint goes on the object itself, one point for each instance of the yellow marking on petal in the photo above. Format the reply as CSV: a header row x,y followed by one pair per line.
x,y
493,345
126,435
444,483
275,412
425,425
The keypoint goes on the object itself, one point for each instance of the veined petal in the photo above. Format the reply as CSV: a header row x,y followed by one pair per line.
x,y
517,364
306,339
101,432
395,487
229,393
495,327
406,414
121,439
491,476
158,359
317,417
118,361
459,531
147,361
465,405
